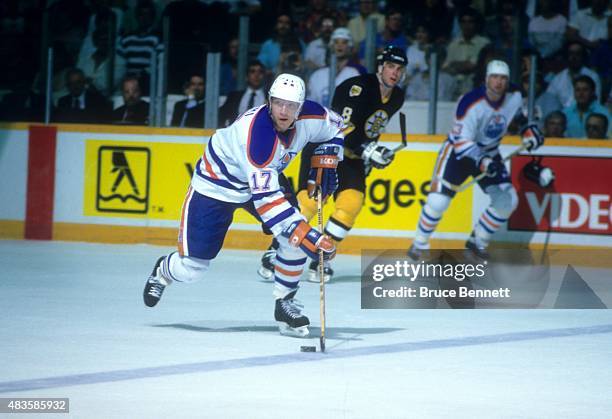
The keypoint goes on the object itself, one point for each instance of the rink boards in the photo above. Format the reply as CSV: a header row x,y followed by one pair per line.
x,y
127,184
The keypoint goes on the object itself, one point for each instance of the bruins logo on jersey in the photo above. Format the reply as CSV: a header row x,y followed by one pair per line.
x,y
376,123
355,90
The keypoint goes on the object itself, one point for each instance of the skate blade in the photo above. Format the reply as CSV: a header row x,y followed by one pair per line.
x,y
314,277
296,332
265,274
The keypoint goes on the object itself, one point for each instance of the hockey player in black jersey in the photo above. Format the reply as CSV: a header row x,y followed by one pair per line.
x,y
366,103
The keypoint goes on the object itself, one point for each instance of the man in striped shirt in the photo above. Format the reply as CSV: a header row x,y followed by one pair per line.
x,y
138,47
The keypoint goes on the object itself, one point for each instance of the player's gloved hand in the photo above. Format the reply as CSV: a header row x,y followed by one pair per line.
x,y
376,155
322,173
301,235
532,137
491,166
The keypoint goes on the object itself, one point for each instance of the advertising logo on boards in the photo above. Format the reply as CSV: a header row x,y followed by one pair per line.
x,y
579,200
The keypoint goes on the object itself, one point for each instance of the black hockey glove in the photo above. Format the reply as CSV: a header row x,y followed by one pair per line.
x,y
491,166
532,137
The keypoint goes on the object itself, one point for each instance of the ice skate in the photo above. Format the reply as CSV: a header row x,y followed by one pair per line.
x,y
288,315
476,251
155,285
313,272
266,270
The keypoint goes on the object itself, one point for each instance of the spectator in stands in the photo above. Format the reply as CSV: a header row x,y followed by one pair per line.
x,y
190,112
317,50
229,68
504,36
589,26
463,51
239,101
562,84
601,60
547,30
284,40
597,126
308,28
555,124
81,104
418,87
22,103
357,25
103,17
585,104
138,47
342,48
98,64
392,34
417,50
435,15
196,28
545,102
134,110
291,62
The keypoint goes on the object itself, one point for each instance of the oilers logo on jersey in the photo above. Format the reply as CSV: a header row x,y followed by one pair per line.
x,y
495,126
375,123
285,160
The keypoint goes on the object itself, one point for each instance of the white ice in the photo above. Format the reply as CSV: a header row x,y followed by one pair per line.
x,y
73,325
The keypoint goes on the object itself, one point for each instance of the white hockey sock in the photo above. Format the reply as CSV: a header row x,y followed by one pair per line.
x,y
425,228
288,268
489,222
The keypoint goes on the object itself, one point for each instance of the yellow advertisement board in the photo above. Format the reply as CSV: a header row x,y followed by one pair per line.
x,y
149,180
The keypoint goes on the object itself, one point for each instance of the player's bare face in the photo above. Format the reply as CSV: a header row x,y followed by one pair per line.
x,y
391,73
496,86
284,113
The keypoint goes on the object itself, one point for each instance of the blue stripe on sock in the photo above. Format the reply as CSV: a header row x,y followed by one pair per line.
x,y
485,227
297,262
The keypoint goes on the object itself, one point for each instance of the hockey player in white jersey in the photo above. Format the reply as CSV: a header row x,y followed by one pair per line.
x,y
240,167
472,147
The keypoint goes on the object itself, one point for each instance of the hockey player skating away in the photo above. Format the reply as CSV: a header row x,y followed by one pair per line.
x,y
472,147
366,103
240,168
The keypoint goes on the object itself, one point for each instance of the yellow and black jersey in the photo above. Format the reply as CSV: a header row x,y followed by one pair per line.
x,y
364,111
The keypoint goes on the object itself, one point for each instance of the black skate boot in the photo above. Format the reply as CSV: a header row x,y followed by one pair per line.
x,y
288,315
313,271
155,285
474,251
266,270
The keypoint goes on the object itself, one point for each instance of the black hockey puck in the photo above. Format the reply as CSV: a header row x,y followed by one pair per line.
x,y
308,348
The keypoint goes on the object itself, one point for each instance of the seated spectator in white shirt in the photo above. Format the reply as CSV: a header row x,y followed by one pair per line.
x,y
317,50
545,102
562,84
97,66
318,84
419,86
416,51
547,30
588,26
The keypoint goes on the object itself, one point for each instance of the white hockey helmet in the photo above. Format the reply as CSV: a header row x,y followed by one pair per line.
x,y
288,87
341,33
498,67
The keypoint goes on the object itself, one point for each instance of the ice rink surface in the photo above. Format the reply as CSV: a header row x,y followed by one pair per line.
x,y
74,325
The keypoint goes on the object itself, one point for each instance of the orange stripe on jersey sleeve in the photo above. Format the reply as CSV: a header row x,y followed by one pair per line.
x,y
267,207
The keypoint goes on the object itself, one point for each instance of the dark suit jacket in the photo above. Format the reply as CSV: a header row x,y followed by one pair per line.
x,y
137,114
97,109
229,111
195,115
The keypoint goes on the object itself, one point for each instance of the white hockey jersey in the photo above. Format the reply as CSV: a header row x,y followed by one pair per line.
x,y
244,160
480,124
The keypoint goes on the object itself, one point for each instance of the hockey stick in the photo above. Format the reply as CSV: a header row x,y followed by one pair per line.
x,y
475,179
321,268
402,121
